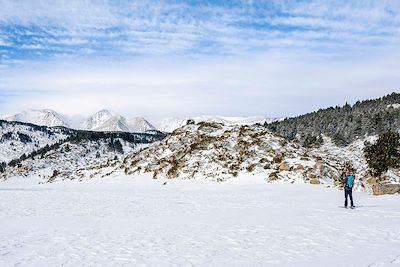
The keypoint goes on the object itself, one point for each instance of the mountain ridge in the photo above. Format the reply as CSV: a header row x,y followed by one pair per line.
x,y
108,120
103,120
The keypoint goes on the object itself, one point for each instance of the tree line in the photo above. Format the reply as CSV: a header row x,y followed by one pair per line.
x,y
343,124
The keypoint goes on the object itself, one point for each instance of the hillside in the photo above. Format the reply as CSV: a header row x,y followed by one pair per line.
x,y
213,151
28,149
343,124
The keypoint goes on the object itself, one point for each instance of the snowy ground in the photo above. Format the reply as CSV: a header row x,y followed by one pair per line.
x,y
242,222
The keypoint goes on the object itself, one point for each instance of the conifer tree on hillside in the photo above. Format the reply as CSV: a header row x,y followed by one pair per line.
x,y
2,166
384,154
342,124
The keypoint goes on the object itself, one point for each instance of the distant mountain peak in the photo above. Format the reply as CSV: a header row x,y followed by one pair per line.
x,y
140,124
105,120
44,117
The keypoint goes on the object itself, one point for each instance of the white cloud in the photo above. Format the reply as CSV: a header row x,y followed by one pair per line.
x,y
269,84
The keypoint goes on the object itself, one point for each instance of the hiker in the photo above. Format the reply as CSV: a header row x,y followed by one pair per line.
x,y
348,188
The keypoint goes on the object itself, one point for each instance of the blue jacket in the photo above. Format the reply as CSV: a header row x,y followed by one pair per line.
x,y
349,182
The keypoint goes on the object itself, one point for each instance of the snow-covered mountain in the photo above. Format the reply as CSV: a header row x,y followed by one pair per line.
x,y
103,120
107,120
172,123
43,117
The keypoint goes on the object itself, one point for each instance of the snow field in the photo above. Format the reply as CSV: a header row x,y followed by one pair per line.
x,y
138,221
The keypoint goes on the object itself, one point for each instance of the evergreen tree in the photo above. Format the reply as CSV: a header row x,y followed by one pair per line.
x,y
118,147
2,167
384,154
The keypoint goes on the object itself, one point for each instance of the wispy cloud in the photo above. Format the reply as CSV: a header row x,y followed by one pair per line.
x,y
183,27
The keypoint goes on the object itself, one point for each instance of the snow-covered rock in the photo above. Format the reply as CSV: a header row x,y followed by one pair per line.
x,y
394,106
218,152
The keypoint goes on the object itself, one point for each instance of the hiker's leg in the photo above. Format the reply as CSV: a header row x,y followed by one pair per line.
x,y
351,197
345,197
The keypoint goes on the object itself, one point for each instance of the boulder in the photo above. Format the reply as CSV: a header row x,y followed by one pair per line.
x,y
273,176
299,167
284,166
312,175
385,188
314,181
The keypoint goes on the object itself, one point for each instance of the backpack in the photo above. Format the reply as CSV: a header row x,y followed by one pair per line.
x,y
350,181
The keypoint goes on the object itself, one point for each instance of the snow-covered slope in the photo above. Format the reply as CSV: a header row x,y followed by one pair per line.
x,y
27,149
139,125
44,117
71,160
17,139
170,124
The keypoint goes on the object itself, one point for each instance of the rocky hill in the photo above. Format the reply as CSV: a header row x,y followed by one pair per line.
x,y
217,152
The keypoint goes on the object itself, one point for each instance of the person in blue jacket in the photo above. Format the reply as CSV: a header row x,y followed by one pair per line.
x,y
348,188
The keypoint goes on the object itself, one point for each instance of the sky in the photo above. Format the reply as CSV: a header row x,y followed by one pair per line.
x,y
187,58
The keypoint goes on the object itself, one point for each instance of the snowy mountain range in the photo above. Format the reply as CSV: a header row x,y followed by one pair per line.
x,y
107,120
103,120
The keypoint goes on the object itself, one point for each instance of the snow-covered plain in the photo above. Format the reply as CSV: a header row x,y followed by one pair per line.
x,y
138,221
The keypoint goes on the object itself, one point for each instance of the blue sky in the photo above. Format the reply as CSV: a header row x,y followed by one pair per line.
x,y
183,58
